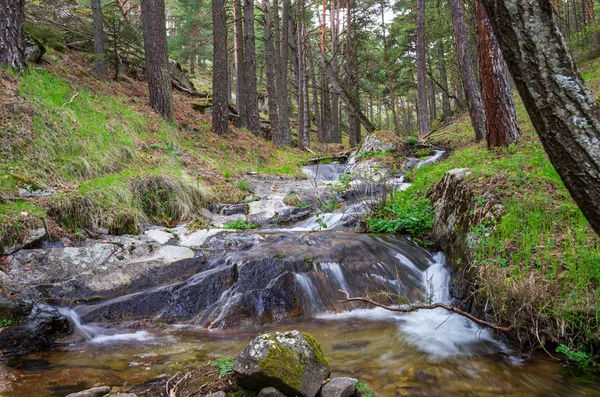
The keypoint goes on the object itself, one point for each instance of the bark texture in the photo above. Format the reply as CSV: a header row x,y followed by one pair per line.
x,y
501,115
250,64
100,60
422,111
467,74
272,65
12,34
240,71
155,46
220,80
562,110
284,111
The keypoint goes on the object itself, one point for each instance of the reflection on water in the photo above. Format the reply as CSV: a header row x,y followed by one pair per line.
x,y
371,345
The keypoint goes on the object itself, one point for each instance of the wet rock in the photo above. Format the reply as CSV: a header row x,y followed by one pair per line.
x,y
292,362
179,75
234,209
270,392
36,332
370,170
160,236
339,387
32,238
93,392
197,239
289,215
100,269
372,144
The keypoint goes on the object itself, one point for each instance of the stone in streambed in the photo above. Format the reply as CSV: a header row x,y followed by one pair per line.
x,y
270,392
217,394
339,387
292,362
94,392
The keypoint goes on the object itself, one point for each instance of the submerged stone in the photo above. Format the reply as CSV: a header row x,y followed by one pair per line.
x,y
93,392
339,387
292,362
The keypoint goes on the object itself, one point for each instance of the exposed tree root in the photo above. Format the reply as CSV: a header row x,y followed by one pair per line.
x,y
429,307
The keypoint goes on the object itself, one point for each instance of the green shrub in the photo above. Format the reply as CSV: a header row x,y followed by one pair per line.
x,y
225,366
402,212
239,225
583,360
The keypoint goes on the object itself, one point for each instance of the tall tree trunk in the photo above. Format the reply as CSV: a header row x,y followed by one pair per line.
x,y
300,76
12,34
193,64
220,108
465,62
155,46
284,111
501,116
562,110
325,93
336,135
446,107
272,66
422,113
317,111
100,56
388,72
353,124
250,65
240,72
306,103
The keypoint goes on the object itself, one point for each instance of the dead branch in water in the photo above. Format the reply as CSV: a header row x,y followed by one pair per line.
x,y
429,307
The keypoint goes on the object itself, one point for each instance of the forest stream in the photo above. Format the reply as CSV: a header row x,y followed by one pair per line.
x,y
282,277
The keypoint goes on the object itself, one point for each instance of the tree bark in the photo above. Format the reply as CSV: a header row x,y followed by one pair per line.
x,y
284,111
272,65
446,107
562,110
155,46
465,63
318,119
422,111
12,34
250,64
220,80
325,93
353,124
501,116
336,136
388,72
300,76
100,56
240,72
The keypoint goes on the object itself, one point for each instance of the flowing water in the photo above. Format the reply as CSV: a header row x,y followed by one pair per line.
x,y
423,353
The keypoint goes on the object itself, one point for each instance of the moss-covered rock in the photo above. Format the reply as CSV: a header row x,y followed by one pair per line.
x,y
293,362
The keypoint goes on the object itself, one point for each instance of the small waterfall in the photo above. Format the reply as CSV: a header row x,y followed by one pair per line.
x,y
436,280
335,270
96,334
326,172
431,159
308,287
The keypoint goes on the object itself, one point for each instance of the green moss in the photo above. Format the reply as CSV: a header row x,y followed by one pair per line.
x,y
316,348
281,363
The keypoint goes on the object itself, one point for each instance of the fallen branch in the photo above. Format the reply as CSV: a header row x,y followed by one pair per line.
x,y
429,307
71,100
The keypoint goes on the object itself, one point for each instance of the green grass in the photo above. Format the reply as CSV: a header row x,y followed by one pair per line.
x,y
239,225
538,267
16,217
402,212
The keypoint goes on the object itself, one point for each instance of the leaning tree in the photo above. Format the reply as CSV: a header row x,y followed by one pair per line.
x,y
563,111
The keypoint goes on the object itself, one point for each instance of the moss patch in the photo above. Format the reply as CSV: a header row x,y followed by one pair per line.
x,y
281,363
316,348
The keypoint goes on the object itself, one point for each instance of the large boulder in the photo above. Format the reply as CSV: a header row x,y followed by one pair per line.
x,y
292,362
372,145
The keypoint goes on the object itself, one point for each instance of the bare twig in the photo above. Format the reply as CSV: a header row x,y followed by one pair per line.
x,y
71,100
429,307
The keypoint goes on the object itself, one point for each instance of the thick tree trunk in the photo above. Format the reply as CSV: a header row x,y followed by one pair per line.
x,y
353,124
240,72
220,108
12,34
155,46
272,66
284,111
562,110
501,116
100,56
465,62
325,93
388,72
300,76
422,112
250,65
336,136
306,103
